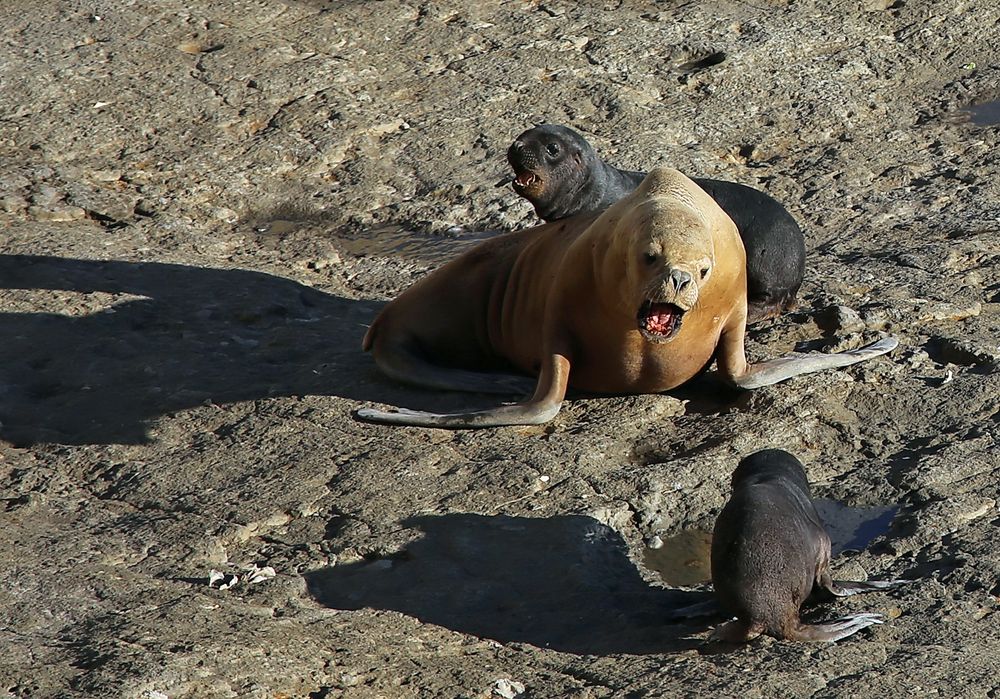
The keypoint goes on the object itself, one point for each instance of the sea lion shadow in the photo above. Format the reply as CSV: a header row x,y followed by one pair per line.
x,y
563,583
98,368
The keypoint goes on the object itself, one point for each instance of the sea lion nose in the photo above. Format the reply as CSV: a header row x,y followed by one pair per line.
x,y
679,279
516,153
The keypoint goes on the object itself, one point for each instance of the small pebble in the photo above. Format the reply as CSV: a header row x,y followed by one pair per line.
x,y
46,195
191,47
507,689
226,214
58,213
12,203
840,319
106,175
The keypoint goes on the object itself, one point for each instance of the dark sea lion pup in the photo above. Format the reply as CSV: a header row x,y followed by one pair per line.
x,y
561,175
639,299
770,552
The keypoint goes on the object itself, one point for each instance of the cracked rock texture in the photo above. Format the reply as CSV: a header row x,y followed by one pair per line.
x,y
203,204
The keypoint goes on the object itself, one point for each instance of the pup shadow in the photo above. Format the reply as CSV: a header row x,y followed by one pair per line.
x,y
563,583
89,373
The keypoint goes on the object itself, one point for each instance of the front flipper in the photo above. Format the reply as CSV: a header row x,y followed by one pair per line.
x,y
734,365
735,631
540,408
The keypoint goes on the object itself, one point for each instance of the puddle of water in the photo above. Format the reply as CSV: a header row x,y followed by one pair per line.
x,y
983,114
854,527
396,241
281,227
685,559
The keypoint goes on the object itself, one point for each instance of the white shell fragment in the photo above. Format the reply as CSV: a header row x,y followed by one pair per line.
x,y
507,689
223,581
256,575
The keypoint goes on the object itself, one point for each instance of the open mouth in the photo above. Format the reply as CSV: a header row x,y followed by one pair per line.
x,y
659,322
527,180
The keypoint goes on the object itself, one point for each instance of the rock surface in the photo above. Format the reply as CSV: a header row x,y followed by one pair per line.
x,y
203,205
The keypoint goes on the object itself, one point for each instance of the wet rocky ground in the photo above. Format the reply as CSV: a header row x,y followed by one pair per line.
x,y
203,204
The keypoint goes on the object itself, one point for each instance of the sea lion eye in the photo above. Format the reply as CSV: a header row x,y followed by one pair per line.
x,y
552,149
704,272
650,258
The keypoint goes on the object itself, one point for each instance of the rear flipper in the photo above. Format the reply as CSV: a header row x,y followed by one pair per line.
x,y
541,407
833,630
737,631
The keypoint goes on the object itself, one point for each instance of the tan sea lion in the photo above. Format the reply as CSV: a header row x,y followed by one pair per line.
x,y
770,552
636,300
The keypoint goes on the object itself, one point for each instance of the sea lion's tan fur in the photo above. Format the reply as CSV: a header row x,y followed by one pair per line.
x,y
561,301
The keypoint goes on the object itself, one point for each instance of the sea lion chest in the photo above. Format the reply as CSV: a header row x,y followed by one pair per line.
x,y
609,355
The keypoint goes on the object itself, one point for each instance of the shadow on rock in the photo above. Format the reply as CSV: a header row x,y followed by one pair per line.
x,y
562,583
184,336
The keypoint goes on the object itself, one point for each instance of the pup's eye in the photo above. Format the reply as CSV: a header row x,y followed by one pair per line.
x,y
552,149
650,258
704,272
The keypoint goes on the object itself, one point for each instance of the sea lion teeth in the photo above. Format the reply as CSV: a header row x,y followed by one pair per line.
x,y
526,179
660,320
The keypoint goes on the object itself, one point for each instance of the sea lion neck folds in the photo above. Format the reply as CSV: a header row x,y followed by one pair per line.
x,y
668,249
770,552
637,300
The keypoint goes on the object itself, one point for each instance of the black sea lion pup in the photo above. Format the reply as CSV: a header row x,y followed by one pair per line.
x,y
560,174
638,300
770,551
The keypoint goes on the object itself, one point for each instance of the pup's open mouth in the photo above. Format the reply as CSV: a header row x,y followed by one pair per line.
x,y
527,181
659,322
